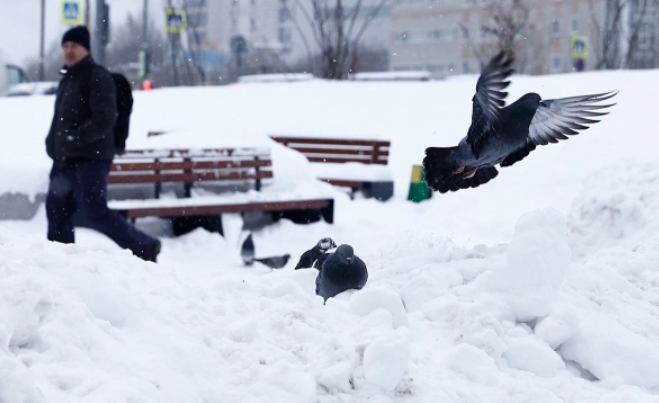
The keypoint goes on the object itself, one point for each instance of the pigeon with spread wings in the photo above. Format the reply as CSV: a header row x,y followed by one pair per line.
x,y
503,135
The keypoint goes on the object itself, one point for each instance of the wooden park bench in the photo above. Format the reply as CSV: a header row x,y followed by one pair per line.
x,y
214,171
333,150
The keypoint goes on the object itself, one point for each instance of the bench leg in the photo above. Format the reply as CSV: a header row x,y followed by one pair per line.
x,y
328,213
184,225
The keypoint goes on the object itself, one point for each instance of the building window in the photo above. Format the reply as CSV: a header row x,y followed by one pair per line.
x,y
575,25
557,63
465,67
284,15
556,27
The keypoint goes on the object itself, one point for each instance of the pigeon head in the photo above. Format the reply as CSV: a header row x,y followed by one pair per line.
x,y
326,243
345,253
532,100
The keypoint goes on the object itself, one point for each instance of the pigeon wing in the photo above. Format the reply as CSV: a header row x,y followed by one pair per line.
x,y
362,267
559,118
318,264
488,100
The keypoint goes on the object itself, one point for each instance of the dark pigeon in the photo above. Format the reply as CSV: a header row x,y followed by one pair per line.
x,y
505,135
248,251
248,254
309,257
340,271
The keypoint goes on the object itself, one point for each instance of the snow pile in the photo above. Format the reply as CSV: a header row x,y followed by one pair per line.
x,y
484,295
613,353
435,321
537,259
617,206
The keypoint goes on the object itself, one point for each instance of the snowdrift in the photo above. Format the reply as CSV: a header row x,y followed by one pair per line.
x,y
541,286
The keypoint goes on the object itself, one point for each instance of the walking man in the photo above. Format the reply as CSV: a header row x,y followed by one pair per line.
x,y
81,145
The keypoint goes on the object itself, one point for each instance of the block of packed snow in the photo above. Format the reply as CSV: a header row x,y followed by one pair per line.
x,y
469,322
558,327
386,359
370,299
534,355
474,364
613,353
337,377
535,265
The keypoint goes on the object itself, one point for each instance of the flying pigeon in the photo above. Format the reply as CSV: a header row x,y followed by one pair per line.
x,y
248,254
309,257
504,135
340,271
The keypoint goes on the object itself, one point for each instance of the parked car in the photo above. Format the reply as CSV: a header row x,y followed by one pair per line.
x,y
36,88
10,75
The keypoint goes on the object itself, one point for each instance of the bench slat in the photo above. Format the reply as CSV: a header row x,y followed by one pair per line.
x,y
355,185
205,152
189,165
226,208
369,153
310,140
187,177
342,160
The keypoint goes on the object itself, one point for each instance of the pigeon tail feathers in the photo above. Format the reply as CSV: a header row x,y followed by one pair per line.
x,y
443,174
439,168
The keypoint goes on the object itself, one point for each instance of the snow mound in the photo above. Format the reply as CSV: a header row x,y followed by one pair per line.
x,y
371,299
617,206
473,364
537,260
613,353
533,355
385,360
557,327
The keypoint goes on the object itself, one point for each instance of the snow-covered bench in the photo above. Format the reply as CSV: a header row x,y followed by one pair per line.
x,y
218,174
357,164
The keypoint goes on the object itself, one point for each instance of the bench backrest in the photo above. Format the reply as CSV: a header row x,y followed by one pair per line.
x,y
338,150
190,166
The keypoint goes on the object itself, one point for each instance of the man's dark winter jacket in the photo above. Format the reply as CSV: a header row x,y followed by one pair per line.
x,y
85,114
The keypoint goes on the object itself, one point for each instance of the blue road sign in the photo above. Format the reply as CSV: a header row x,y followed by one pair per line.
x,y
71,12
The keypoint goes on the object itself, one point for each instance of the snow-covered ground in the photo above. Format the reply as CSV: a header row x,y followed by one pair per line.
x,y
542,286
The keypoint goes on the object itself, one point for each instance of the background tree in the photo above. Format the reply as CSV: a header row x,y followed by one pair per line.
x,y
506,27
336,32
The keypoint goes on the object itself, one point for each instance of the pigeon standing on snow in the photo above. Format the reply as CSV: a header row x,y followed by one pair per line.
x,y
248,254
504,135
339,271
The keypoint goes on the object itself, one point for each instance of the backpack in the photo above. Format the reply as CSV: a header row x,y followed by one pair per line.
x,y
124,109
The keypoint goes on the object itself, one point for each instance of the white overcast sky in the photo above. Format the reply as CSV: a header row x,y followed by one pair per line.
x,y
20,23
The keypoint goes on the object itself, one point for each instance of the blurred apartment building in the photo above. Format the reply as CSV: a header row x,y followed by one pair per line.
x,y
446,37
276,34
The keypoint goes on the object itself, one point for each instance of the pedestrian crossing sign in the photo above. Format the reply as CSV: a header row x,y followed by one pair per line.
x,y
176,20
579,47
71,12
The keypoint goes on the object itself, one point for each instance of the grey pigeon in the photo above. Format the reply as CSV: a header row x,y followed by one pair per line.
x,y
248,254
340,271
309,257
504,135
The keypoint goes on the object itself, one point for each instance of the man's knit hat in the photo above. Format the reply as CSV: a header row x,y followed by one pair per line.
x,y
79,35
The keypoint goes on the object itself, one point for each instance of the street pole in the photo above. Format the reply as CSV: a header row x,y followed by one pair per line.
x,y
42,43
145,37
87,13
99,46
